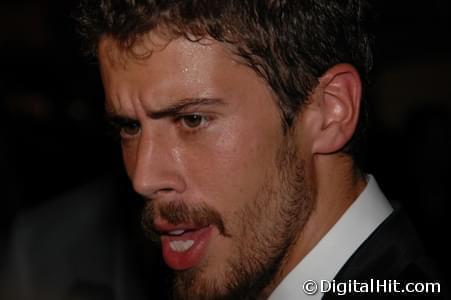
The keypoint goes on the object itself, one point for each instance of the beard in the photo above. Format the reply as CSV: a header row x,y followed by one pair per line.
x,y
264,230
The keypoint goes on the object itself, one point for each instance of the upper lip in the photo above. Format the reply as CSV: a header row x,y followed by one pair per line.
x,y
163,227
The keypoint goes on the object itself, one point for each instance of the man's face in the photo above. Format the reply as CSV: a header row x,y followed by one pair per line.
x,y
227,191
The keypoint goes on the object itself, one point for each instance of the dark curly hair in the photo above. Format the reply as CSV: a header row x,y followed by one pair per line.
x,y
290,43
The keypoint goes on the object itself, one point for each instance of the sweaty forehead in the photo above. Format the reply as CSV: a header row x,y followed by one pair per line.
x,y
158,71
154,43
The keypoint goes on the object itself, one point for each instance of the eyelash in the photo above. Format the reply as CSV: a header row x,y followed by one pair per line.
x,y
182,119
121,127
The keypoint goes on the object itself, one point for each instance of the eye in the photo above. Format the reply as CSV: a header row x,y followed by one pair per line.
x,y
126,129
129,129
123,127
192,121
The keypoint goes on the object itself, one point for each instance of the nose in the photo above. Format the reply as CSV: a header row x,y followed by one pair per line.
x,y
157,167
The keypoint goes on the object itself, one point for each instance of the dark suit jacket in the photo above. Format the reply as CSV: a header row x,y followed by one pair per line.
x,y
80,246
393,251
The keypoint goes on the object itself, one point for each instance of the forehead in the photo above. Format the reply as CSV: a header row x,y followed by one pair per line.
x,y
165,51
158,70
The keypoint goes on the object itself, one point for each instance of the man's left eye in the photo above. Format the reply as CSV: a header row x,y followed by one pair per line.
x,y
192,121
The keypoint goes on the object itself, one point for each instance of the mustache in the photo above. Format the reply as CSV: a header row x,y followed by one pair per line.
x,y
178,212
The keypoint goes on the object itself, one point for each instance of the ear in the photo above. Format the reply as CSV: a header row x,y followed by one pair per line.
x,y
337,105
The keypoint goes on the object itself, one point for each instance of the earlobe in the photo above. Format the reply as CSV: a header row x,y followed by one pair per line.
x,y
337,100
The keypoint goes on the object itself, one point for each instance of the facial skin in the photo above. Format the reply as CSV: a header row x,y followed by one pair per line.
x,y
202,142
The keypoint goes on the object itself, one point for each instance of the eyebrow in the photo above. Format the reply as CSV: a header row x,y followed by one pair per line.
x,y
182,105
172,110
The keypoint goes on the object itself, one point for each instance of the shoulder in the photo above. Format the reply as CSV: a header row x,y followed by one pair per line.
x,y
78,214
389,252
54,243
393,251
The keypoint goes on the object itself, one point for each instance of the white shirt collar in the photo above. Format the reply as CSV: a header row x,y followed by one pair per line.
x,y
324,261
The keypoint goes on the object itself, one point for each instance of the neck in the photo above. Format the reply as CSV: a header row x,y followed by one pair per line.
x,y
337,187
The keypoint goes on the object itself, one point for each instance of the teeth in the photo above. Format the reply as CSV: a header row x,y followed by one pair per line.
x,y
181,246
177,232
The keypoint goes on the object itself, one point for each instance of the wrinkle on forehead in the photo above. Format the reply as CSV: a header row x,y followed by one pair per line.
x,y
117,56
183,63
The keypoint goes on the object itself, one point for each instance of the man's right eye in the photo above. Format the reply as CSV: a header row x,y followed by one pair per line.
x,y
129,129
124,128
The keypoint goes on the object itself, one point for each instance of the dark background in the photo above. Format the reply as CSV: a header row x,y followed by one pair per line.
x,y
53,137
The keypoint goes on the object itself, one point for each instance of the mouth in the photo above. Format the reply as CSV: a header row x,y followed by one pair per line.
x,y
184,246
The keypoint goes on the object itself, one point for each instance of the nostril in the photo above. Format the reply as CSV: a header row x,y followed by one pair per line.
x,y
164,191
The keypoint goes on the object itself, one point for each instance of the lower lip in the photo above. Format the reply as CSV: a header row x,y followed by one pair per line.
x,y
193,256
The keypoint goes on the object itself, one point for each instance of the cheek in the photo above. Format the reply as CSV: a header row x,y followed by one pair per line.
x,y
230,169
